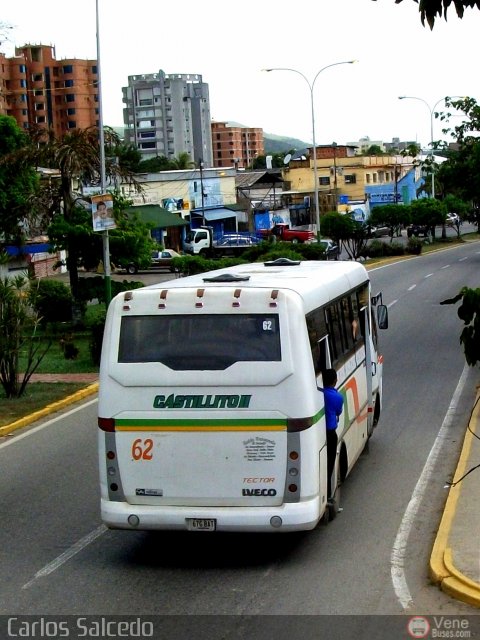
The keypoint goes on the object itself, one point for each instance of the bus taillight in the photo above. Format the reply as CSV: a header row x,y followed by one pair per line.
x,y
106,424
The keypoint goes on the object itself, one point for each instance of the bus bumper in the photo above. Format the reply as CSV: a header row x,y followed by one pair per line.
x,y
299,516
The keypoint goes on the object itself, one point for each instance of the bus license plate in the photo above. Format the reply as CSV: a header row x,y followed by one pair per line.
x,y
201,524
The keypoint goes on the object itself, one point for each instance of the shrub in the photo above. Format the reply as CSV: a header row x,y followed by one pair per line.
x,y
97,327
94,288
17,333
375,249
51,300
414,246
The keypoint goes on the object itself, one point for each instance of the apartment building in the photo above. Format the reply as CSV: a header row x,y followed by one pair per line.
x,y
168,114
236,146
40,91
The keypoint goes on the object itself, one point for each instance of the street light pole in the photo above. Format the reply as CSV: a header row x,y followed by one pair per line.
x,y
312,107
334,146
103,181
200,166
431,111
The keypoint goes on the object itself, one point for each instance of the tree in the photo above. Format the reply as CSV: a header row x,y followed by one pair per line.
x,y
374,150
429,212
129,242
17,183
469,313
182,161
76,155
458,206
430,9
127,156
346,232
391,215
18,325
154,165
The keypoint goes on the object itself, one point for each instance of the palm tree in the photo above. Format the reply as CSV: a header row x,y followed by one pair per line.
x,y
182,161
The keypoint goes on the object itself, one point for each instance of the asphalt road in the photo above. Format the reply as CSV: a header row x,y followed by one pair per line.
x,y
56,558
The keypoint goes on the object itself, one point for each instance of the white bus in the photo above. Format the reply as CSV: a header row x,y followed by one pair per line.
x,y
210,412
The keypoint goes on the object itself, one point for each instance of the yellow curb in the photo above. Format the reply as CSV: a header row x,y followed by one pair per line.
x,y
50,408
458,585
442,570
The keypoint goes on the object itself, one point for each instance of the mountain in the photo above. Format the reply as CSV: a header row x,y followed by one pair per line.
x,y
280,144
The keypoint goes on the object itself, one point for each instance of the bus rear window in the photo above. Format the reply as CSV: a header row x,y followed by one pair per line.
x,y
200,342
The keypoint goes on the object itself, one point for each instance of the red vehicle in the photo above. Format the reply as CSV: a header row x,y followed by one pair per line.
x,y
284,233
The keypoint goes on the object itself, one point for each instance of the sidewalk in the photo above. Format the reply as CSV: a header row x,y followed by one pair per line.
x,y
455,559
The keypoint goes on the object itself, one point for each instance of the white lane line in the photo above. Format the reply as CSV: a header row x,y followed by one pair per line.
x,y
15,438
429,275
412,287
399,549
392,303
67,555
462,259
446,266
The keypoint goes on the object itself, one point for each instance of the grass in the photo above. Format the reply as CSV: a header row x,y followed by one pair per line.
x,y
55,361
37,396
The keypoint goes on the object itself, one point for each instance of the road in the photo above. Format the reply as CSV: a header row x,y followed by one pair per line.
x,y
56,558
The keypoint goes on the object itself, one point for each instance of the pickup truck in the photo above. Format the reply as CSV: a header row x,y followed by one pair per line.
x,y
286,234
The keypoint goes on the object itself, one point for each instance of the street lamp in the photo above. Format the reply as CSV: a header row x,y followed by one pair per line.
x,y
315,167
431,110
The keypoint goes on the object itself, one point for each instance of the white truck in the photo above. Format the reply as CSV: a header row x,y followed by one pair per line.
x,y
200,242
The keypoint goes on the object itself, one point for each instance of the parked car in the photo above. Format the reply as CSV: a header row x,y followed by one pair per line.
x,y
378,232
160,259
164,258
332,251
418,230
452,219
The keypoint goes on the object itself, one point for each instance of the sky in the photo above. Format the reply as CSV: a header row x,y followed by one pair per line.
x,y
230,44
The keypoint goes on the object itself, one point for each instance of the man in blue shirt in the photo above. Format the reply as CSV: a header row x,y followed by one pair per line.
x,y
333,408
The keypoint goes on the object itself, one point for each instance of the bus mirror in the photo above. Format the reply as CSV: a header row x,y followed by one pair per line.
x,y
382,316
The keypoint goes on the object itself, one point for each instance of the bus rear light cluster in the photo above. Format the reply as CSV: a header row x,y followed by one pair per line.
x,y
292,488
273,298
163,297
293,455
106,424
199,303
111,455
236,294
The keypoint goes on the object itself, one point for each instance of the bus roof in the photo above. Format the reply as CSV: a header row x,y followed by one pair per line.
x,y
306,278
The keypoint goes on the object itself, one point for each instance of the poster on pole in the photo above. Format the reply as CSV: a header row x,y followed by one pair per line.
x,y
102,212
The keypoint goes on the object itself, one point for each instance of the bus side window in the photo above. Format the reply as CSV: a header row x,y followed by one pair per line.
x,y
318,338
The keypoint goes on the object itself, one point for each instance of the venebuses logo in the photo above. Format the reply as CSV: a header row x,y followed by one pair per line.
x,y
418,627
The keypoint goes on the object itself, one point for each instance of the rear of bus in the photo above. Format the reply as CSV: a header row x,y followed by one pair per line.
x,y
209,411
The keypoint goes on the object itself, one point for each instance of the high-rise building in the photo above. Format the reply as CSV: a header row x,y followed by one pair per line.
x,y
38,90
168,114
236,146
